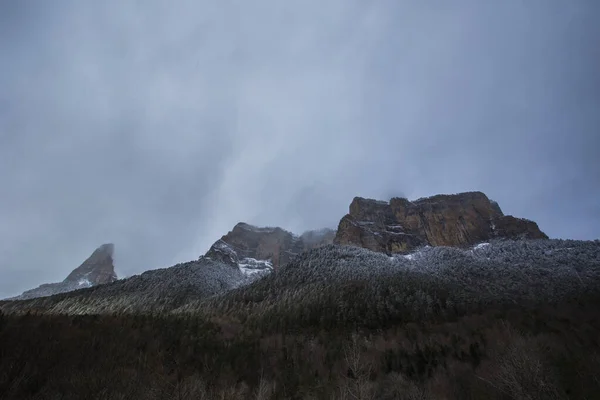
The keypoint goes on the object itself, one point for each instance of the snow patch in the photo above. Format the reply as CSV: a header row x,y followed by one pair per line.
x,y
251,266
394,226
84,282
481,246
250,271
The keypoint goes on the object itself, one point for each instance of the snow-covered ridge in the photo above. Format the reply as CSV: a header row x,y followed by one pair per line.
x,y
503,270
536,270
420,252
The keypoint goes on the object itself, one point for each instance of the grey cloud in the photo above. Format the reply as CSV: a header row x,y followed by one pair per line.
x,y
158,126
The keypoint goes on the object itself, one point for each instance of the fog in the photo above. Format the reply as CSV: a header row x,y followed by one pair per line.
x,y
159,126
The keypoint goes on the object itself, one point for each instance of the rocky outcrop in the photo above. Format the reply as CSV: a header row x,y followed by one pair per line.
x,y
98,269
443,220
247,246
399,225
516,228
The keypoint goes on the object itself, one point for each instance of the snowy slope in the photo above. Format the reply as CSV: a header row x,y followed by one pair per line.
x,y
498,271
155,290
509,272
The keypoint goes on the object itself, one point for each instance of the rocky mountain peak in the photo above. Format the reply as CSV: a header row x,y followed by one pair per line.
x,y
441,220
97,269
371,210
247,245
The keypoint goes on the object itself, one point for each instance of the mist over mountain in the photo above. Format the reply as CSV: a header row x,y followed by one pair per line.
x,y
333,318
159,128
497,255
398,226
299,200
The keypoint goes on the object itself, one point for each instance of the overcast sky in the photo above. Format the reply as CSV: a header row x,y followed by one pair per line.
x,y
158,125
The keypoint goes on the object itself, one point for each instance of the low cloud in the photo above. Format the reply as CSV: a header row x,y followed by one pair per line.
x,y
157,127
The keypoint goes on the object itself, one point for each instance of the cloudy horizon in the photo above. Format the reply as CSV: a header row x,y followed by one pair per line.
x,y
158,127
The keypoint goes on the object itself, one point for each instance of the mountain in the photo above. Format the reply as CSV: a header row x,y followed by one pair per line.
x,y
428,300
390,227
443,220
156,290
242,255
254,249
97,269
248,252
323,282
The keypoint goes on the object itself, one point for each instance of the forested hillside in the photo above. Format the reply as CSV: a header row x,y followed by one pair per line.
x,y
502,320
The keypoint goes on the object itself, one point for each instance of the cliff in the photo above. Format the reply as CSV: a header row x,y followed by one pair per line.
x,y
442,220
245,244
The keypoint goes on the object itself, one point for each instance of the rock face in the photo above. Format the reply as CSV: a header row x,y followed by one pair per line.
x,y
250,248
443,220
98,269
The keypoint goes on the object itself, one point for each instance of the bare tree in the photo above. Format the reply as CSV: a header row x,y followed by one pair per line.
x,y
358,384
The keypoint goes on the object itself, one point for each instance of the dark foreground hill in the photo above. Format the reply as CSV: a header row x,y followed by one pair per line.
x,y
504,320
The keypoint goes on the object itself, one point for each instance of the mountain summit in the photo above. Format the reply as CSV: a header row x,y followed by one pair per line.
x,y
397,226
443,220
97,269
253,248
